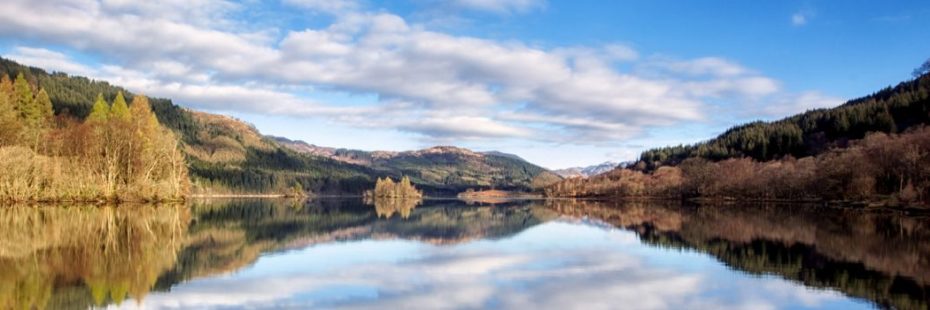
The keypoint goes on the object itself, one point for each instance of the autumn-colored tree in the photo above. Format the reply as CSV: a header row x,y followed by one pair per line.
x,y
101,110
120,110
384,188
43,107
10,125
23,98
140,146
6,88
387,188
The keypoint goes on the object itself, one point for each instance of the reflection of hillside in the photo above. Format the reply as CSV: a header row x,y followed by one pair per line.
x,y
227,235
878,256
452,222
75,257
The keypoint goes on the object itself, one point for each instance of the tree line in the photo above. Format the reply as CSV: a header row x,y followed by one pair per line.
x,y
119,152
889,169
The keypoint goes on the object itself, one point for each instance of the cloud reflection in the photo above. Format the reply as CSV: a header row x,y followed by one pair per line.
x,y
585,268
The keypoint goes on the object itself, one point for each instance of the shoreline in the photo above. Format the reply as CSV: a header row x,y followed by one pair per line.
x,y
239,196
849,205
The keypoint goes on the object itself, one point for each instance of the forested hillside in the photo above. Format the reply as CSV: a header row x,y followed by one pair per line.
x,y
874,149
891,110
443,169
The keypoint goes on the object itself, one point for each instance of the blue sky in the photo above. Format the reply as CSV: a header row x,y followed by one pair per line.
x,y
560,83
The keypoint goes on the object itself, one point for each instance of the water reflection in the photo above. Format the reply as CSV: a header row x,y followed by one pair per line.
x,y
342,253
881,256
386,207
80,256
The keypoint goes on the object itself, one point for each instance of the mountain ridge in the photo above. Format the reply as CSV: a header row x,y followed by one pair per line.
x,y
337,153
441,166
587,171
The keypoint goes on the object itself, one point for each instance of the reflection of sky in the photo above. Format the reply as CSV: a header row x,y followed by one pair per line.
x,y
556,265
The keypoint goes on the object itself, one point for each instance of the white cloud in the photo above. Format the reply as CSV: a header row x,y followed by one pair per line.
x,y
705,66
809,297
501,6
327,6
48,60
606,270
203,13
799,103
464,127
450,86
621,52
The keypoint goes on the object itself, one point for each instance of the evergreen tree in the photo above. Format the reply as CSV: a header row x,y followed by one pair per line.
x,y
100,111
23,97
923,69
120,110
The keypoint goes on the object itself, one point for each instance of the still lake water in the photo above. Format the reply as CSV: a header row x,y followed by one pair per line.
x,y
341,253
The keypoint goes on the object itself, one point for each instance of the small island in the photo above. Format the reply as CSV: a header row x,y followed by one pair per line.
x,y
494,196
387,188
391,197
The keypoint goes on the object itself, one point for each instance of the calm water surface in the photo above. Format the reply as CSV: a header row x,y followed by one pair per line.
x,y
342,253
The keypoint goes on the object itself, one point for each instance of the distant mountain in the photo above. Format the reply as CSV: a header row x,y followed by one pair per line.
x,y
584,172
344,155
227,155
446,169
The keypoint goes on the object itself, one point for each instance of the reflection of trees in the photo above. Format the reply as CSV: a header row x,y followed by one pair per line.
x,y
879,256
451,222
228,234
55,257
386,207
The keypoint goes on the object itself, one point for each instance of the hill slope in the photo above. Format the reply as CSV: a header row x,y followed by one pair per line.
x,y
444,169
872,150
891,110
